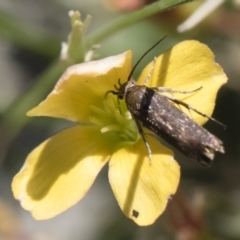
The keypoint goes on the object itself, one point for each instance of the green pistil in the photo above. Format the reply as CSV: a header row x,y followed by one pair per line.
x,y
112,118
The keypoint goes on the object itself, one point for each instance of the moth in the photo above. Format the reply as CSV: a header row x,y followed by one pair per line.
x,y
152,109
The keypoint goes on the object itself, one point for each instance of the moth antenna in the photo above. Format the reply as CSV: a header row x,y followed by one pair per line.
x,y
140,59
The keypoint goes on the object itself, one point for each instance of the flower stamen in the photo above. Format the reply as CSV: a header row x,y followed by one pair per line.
x,y
114,117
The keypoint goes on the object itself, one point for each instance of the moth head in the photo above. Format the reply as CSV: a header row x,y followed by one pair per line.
x,y
120,89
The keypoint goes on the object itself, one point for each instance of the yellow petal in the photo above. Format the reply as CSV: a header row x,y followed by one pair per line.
x,y
188,66
143,190
59,172
83,85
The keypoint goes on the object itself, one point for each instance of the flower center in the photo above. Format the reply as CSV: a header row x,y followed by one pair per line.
x,y
114,118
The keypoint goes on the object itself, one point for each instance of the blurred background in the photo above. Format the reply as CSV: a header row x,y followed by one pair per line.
x,y
207,205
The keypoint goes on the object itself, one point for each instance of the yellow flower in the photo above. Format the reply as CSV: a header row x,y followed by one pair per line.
x,y
60,171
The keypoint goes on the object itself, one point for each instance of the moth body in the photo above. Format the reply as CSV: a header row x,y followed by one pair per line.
x,y
155,112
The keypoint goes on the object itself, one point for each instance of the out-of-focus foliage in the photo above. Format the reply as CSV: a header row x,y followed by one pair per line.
x,y
208,203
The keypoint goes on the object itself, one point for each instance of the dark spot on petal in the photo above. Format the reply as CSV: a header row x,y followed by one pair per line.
x,y
135,213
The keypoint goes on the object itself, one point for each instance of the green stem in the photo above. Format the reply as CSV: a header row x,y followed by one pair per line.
x,y
131,18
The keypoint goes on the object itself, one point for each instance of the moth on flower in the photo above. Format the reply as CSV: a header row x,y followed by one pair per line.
x,y
154,110
60,171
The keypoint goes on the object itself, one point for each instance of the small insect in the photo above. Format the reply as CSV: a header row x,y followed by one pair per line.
x,y
151,109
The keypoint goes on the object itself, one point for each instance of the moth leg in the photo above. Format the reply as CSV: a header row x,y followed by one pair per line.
x,y
151,72
177,101
170,90
140,130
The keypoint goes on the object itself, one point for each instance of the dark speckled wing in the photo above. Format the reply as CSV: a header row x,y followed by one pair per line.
x,y
160,116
